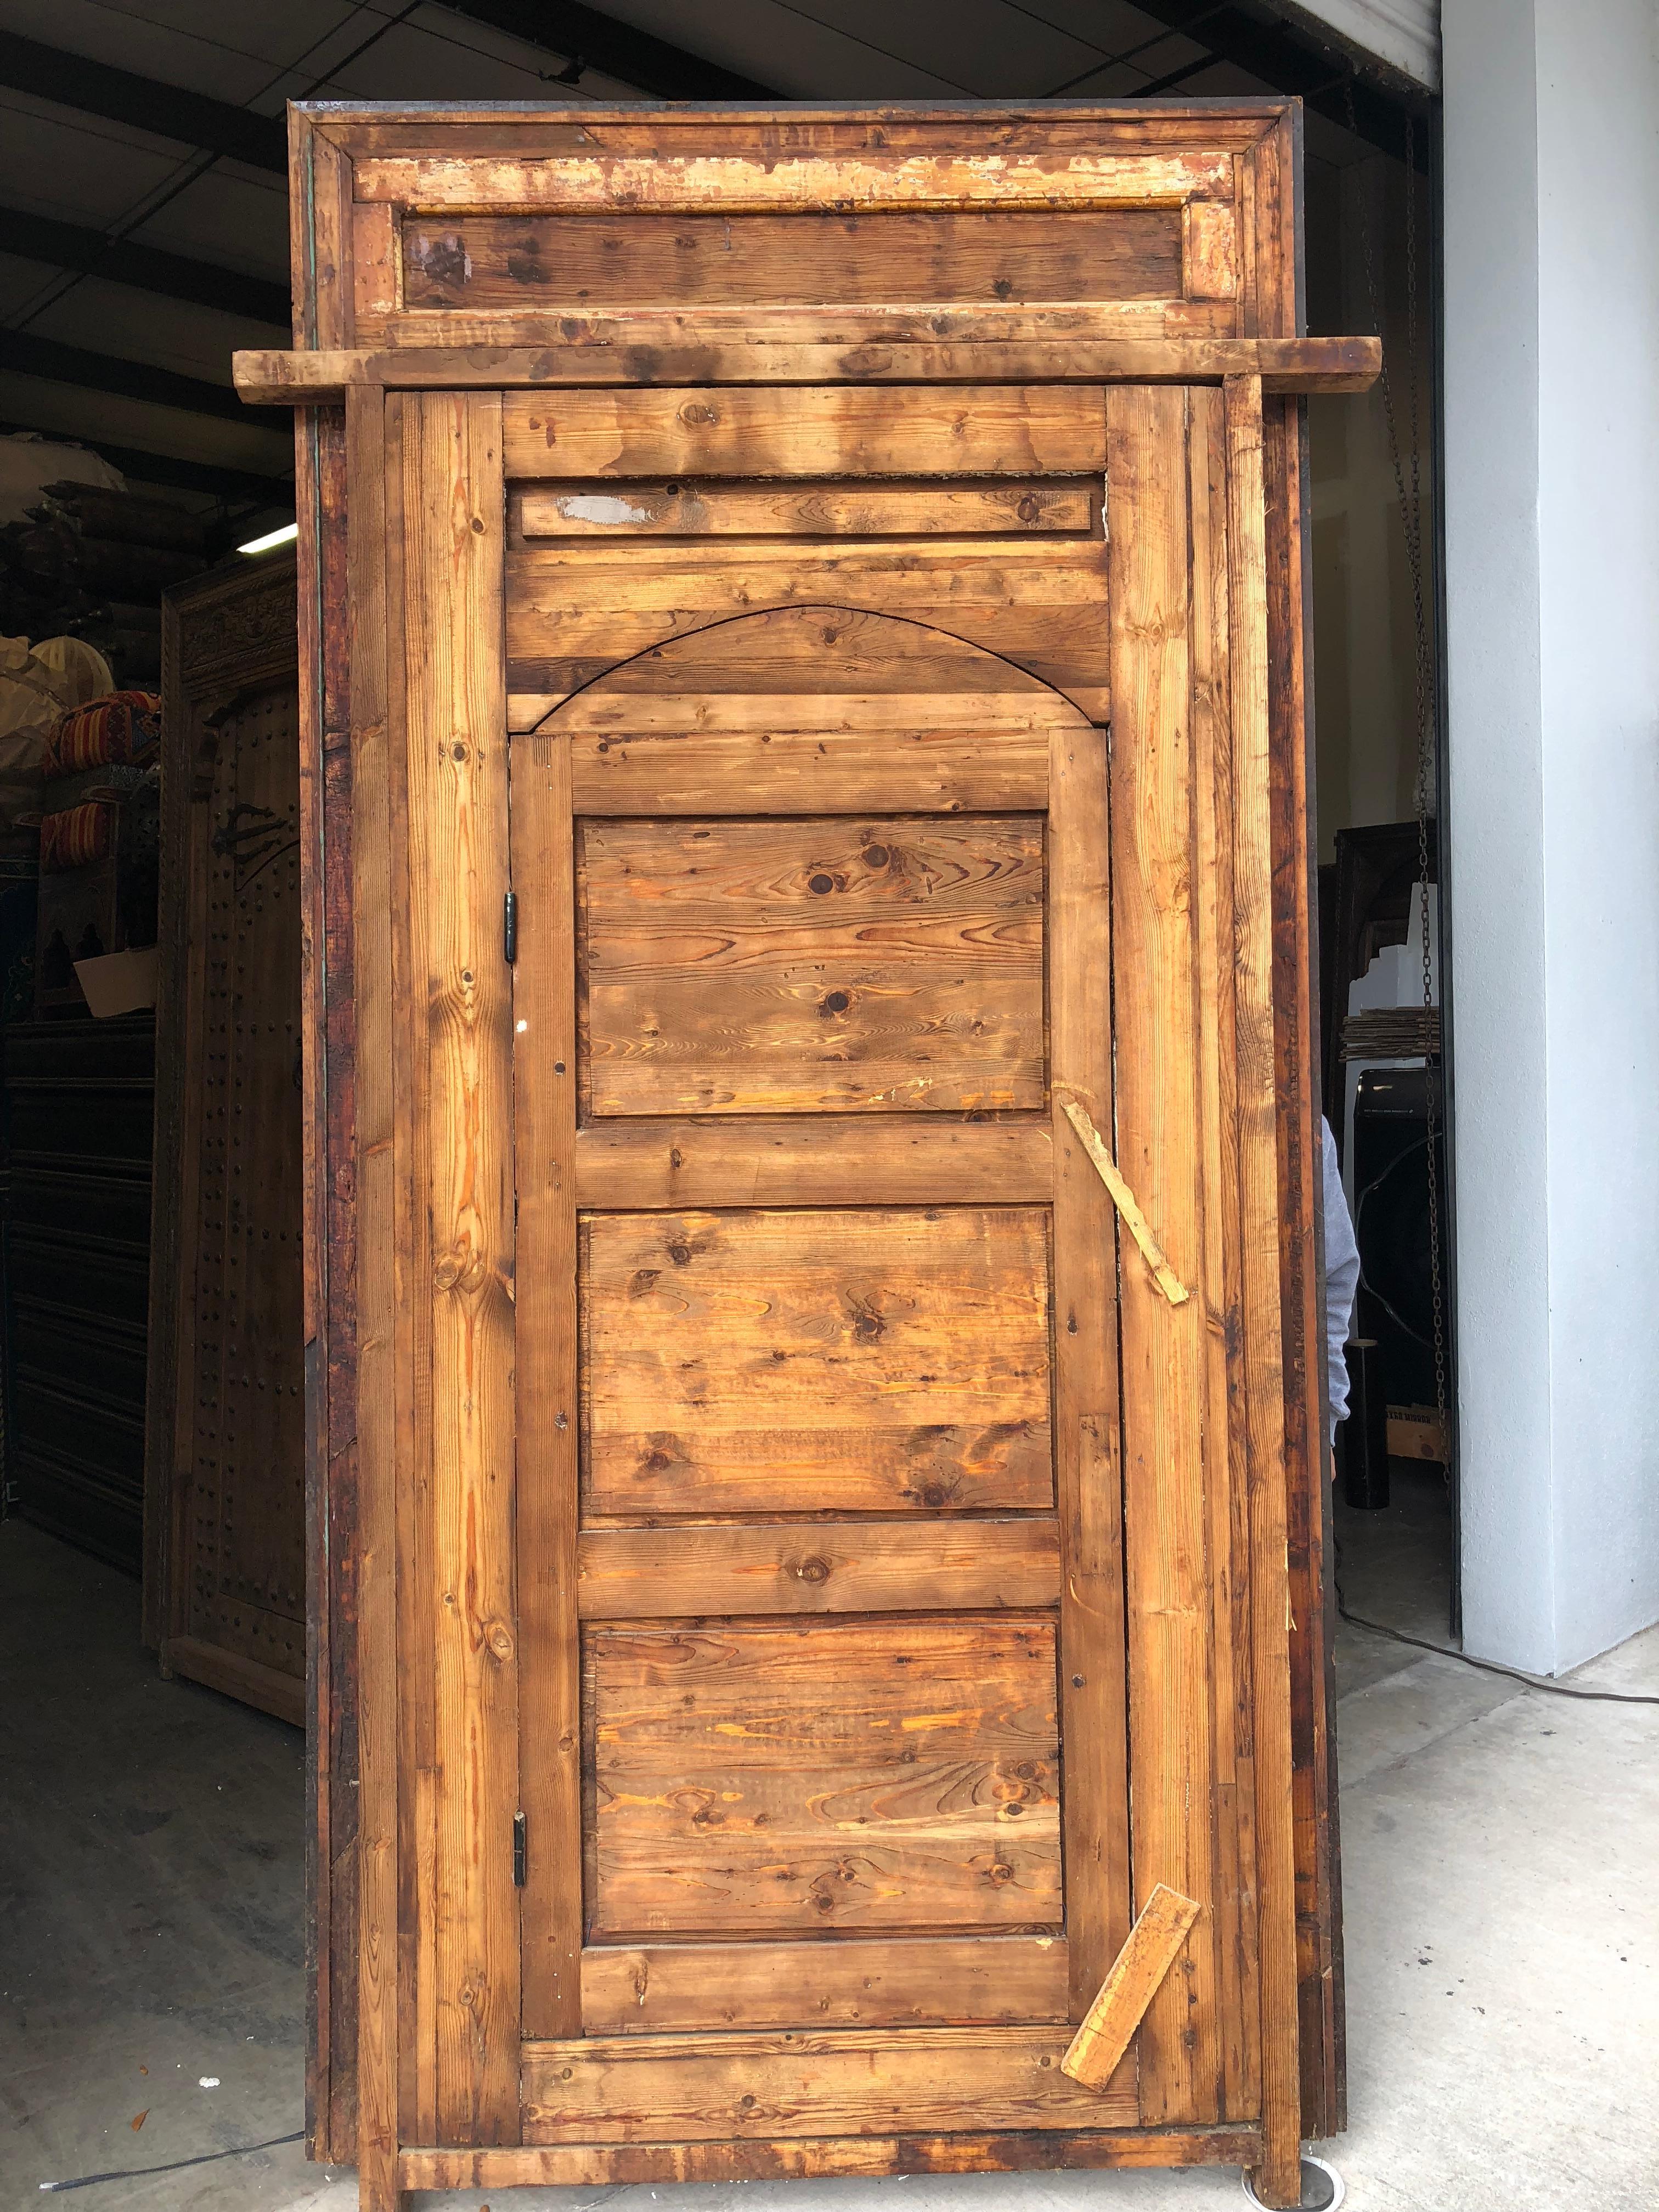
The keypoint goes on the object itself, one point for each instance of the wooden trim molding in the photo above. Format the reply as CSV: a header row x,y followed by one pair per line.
x,y
635,349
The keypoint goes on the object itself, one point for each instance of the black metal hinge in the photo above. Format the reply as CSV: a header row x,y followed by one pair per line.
x,y
518,1850
510,926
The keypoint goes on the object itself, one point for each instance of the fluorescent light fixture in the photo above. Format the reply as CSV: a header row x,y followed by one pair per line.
x,y
285,535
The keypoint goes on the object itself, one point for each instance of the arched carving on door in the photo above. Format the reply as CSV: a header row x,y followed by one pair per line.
x,y
834,648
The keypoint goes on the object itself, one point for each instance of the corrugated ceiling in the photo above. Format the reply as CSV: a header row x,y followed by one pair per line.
x,y
142,207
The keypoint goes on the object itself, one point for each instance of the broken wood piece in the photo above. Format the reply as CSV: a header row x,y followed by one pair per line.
x,y
1148,1953
1124,1199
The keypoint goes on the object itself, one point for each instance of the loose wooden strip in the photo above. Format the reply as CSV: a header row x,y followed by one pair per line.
x,y
810,772
840,1566
837,510
635,2089
736,184
1108,2026
897,1361
625,354
592,262
1010,2151
1124,1199
733,1796
655,1989
628,1166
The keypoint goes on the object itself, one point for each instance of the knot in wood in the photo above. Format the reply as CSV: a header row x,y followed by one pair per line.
x,y
461,1268
499,1637
813,1571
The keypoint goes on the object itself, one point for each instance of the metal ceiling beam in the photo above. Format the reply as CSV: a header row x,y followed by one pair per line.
x,y
1294,61
28,355
146,267
119,95
205,477
598,41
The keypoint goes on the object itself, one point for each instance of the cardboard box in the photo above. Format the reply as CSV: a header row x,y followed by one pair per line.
x,y
119,982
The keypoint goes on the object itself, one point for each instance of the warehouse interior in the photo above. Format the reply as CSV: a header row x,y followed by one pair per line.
x,y
144,238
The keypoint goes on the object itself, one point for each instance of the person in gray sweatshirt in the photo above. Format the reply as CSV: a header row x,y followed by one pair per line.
x,y
1341,1278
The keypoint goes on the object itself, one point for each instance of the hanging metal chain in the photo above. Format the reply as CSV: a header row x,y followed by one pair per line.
x,y
1408,490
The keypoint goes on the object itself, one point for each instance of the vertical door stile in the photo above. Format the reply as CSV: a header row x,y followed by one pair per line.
x,y
373,1093
1233,1813
1258,1199
544,1078
1088,1483
463,1605
1167,1471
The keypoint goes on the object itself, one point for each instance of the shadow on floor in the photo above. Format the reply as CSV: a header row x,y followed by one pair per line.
x,y
1502,1929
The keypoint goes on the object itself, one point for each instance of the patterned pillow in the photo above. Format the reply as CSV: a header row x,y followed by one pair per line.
x,y
127,726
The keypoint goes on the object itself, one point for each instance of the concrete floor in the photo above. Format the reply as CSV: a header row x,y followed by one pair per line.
x,y
1503,1928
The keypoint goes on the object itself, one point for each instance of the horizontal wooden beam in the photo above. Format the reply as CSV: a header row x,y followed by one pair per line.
x,y
145,268
592,41
305,380
119,95
549,2166
28,355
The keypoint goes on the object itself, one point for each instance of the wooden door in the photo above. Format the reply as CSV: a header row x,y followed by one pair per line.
x,y
843,1572
224,1578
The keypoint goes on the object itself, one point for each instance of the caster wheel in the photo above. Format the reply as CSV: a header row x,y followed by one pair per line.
x,y
1322,2187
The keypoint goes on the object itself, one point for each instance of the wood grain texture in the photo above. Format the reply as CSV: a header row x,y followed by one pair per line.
x,y
1159,1138
454,522
800,1362
1209,250
1313,1694
855,2081
844,1566
736,183
544,1102
732,1798
901,771
792,1159
1262,1311
480,262
987,430
804,510
1108,2027
1232,1931
761,967
1086,1387
1007,2151
651,1989
575,609
374,1183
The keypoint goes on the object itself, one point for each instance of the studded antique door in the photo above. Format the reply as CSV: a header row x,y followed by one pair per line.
x,y
817,1342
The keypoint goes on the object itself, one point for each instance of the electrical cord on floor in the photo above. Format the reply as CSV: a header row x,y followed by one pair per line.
x,y
206,2157
1491,1667
1486,1666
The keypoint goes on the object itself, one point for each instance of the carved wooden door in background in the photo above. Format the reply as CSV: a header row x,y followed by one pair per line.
x,y
225,1566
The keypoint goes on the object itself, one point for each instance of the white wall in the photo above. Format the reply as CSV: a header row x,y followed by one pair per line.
x,y
1552,173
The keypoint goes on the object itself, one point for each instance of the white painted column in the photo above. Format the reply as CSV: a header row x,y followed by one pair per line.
x,y
1551,280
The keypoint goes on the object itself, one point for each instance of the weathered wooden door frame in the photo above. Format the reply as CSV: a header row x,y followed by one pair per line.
x,y
435,1204
341,278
